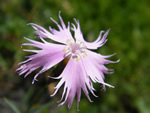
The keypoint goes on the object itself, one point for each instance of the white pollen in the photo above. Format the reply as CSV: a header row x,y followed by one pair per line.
x,y
75,49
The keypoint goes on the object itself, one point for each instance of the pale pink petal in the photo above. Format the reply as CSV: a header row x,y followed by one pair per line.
x,y
61,35
64,32
95,70
101,40
83,68
49,55
74,78
101,59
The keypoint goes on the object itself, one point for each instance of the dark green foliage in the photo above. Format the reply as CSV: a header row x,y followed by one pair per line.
x,y
129,37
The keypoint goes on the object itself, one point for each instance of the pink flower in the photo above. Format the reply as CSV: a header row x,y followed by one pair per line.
x,y
83,68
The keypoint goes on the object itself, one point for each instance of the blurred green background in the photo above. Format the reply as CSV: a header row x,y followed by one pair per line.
x,y
129,37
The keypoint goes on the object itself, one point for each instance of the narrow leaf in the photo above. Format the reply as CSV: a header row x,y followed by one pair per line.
x,y
41,108
12,106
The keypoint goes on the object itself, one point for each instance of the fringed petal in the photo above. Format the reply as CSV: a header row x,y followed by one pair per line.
x,y
83,68
61,35
74,78
101,40
64,33
48,56
95,69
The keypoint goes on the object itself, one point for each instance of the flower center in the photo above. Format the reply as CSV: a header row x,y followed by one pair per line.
x,y
75,49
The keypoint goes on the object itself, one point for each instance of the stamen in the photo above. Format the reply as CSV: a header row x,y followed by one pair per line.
x,y
75,49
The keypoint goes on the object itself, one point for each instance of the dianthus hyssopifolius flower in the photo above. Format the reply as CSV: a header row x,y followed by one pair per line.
x,y
83,68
